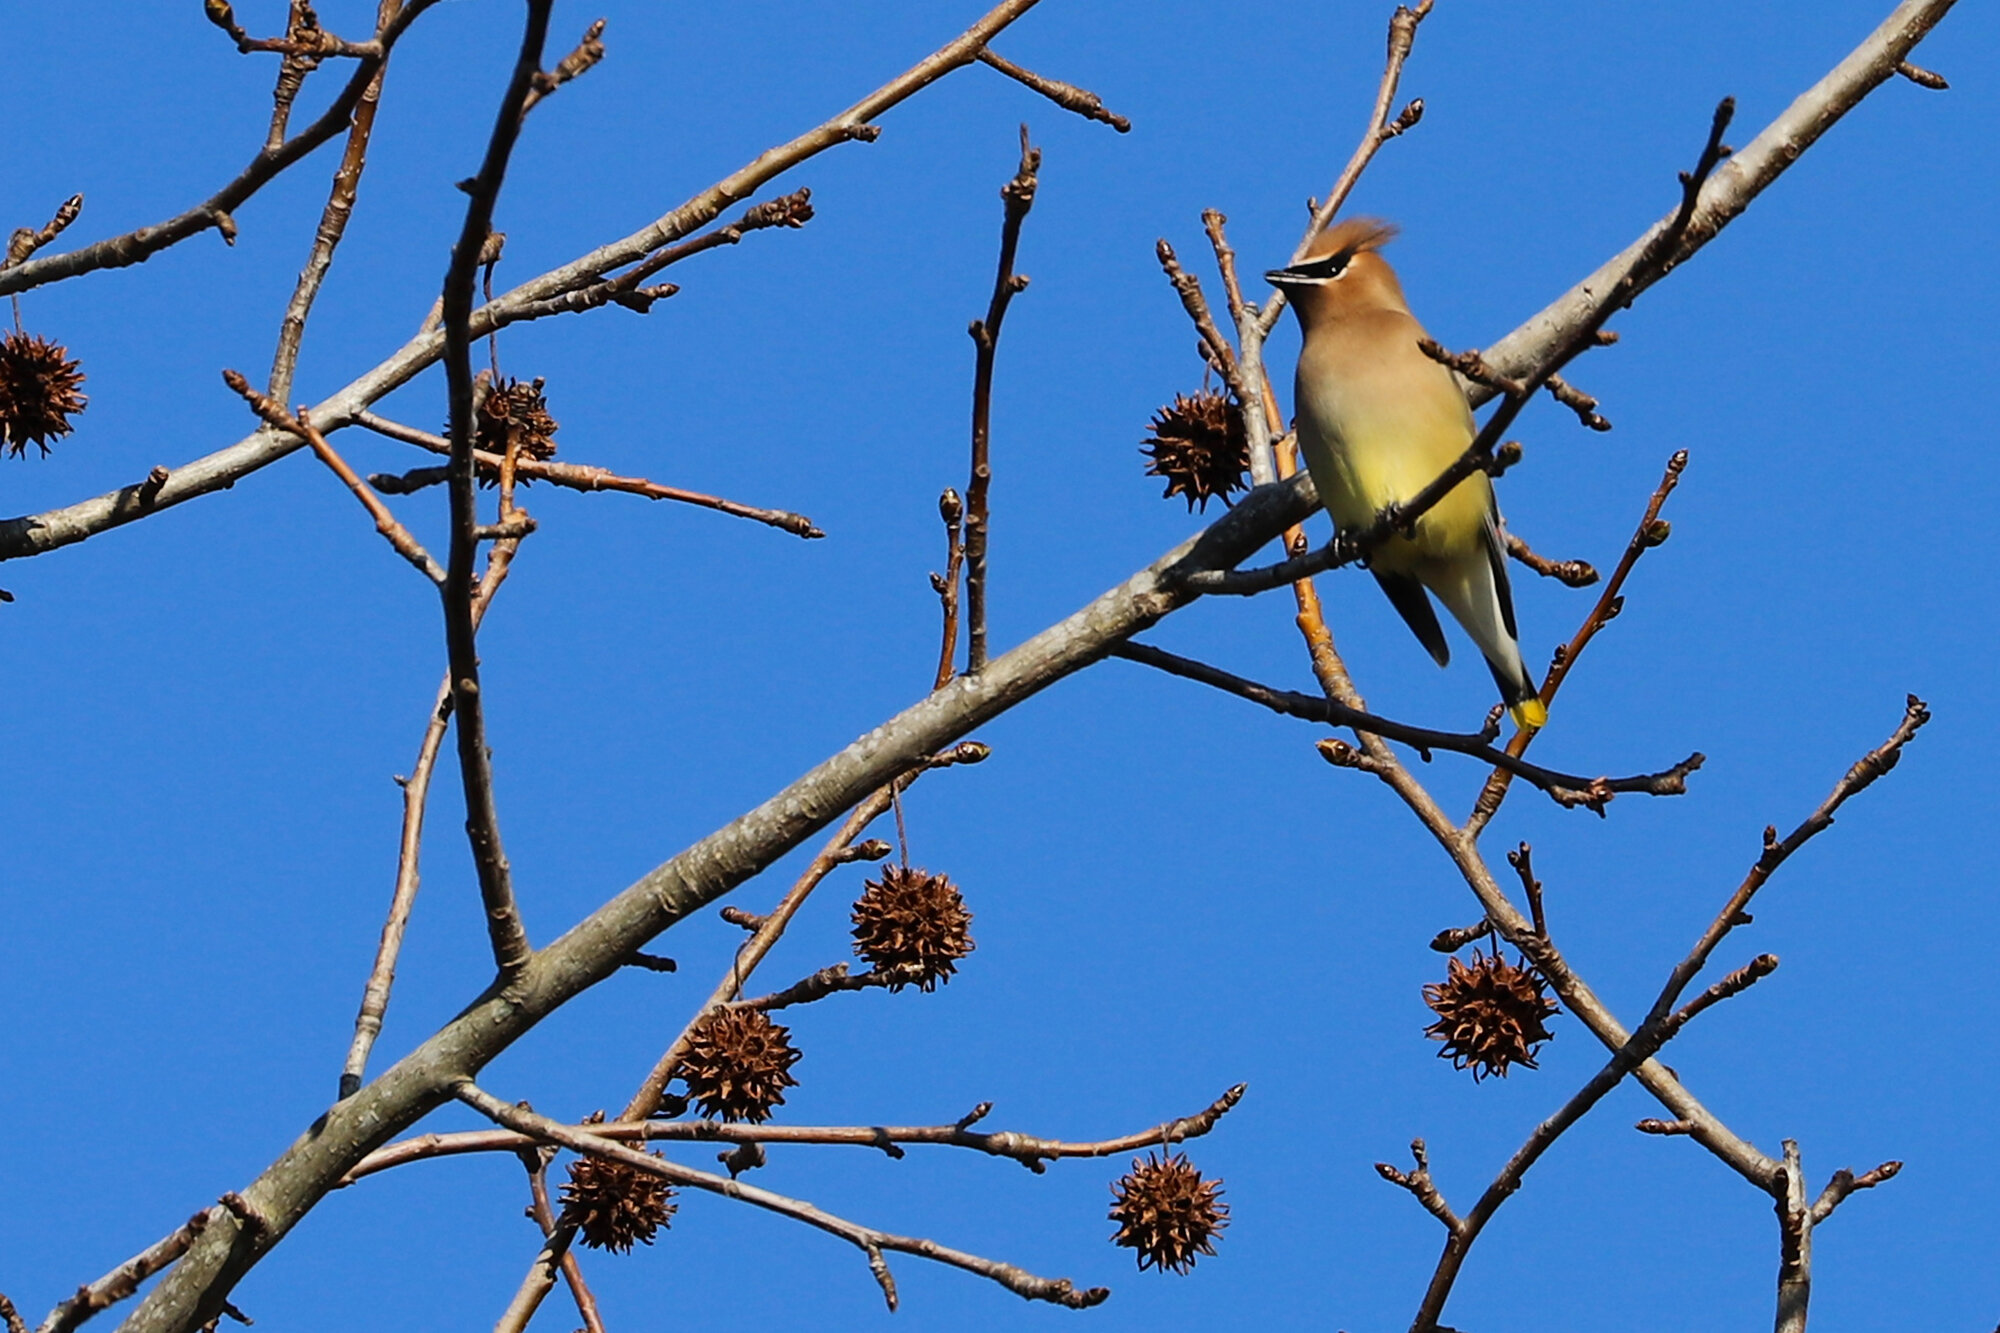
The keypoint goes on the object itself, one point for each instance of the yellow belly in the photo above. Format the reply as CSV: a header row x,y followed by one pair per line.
x,y
1358,478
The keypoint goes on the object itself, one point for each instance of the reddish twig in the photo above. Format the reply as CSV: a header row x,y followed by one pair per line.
x,y
1734,913
951,510
1570,573
300,424
1650,532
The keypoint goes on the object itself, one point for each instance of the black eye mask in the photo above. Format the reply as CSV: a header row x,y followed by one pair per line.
x,y
1317,270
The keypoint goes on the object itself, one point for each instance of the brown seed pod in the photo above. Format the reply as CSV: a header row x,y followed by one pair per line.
x,y
1167,1212
738,1065
516,410
912,927
1199,446
615,1206
1490,1014
38,392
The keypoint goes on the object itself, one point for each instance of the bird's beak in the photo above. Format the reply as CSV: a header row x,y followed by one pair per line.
x,y
1281,277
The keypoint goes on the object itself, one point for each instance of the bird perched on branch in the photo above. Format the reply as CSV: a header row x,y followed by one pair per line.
x,y
1378,421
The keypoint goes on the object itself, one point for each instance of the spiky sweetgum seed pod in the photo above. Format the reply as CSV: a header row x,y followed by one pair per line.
x,y
912,927
517,410
38,392
1167,1212
1491,1014
615,1206
1199,446
738,1065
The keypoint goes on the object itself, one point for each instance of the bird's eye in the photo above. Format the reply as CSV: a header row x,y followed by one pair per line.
x,y
1333,266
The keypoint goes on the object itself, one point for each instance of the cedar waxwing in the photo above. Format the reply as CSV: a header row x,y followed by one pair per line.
x,y
1378,421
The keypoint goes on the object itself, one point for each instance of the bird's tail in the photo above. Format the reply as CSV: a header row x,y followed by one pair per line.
x,y
1477,595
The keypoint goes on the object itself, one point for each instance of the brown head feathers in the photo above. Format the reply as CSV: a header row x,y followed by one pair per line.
x,y
1342,273
1351,236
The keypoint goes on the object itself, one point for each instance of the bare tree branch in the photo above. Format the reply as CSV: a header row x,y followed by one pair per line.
x,y
871,1242
221,470
509,937
1652,530
1567,789
573,476
1030,1150
1017,196
333,218
215,211
197,1286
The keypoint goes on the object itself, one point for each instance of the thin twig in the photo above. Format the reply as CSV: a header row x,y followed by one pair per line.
x,y
572,476
137,246
332,219
416,796
1650,532
1065,95
1570,573
1734,913
121,1282
300,424
1030,1150
1059,1291
1844,1183
790,211
509,937
1216,350
545,1218
1381,128
1418,1182
1568,789
1017,196
22,245
951,510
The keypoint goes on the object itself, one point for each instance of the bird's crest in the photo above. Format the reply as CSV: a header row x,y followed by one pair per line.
x,y
1350,237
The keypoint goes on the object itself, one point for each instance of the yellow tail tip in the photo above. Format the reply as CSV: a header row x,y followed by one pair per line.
x,y
1529,715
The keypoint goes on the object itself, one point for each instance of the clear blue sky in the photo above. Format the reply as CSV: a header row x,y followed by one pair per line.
x,y
1173,892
